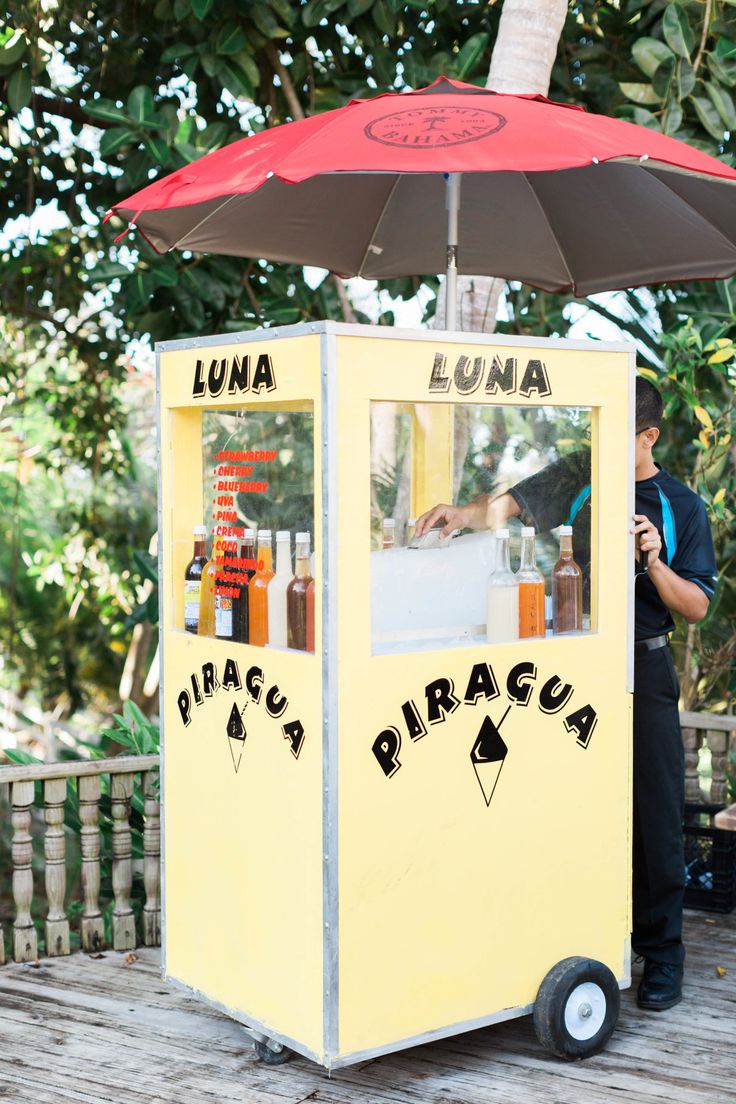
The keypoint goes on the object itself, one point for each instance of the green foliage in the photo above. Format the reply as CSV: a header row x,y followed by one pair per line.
x,y
95,102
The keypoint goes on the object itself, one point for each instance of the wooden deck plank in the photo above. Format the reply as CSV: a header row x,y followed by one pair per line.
x,y
100,1031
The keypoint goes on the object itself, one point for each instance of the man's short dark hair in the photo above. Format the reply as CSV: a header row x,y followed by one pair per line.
x,y
648,405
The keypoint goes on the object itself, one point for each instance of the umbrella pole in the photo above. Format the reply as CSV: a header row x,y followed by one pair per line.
x,y
453,210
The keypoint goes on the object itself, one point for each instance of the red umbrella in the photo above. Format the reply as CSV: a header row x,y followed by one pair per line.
x,y
551,195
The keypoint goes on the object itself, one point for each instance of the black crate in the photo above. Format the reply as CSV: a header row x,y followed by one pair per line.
x,y
710,861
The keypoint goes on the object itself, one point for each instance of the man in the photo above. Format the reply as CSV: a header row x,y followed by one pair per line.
x,y
671,526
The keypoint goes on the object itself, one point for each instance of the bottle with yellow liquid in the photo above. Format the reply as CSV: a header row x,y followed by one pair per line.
x,y
193,580
258,591
531,588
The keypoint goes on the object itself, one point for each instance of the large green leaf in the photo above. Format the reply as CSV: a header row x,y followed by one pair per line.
x,y
685,79
265,20
285,11
12,51
158,149
202,8
723,68
231,39
723,104
471,53
19,89
107,111
140,107
677,30
357,7
640,93
662,79
234,78
114,139
247,63
649,54
106,271
708,116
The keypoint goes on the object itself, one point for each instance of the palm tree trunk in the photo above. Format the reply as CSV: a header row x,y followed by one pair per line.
x,y
522,60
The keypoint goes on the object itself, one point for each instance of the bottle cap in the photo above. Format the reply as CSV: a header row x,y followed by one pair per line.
x,y
264,534
527,530
566,530
411,521
389,523
301,537
501,534
283,535
248,533
200,530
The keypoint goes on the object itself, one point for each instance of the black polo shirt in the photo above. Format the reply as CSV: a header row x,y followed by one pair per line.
x,y
560,495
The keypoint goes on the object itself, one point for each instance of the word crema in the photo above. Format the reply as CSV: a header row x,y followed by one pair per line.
x,y
441,701
205,684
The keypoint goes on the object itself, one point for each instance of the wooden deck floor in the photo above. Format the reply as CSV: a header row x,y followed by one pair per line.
x,y
101,1031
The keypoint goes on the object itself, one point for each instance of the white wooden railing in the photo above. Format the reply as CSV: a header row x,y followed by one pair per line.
x,y
718,733
122,770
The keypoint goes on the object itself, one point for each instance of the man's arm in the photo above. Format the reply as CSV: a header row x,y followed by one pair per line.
x,y
678,594
483,512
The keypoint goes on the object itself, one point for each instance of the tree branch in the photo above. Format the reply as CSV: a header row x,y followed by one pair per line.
x,y
296,109
346,306
66,109
704,35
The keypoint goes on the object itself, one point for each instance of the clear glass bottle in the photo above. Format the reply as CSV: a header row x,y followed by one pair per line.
x,y
277,634
503,595
296,595
193,579
531,588
567,588
389,532
258,591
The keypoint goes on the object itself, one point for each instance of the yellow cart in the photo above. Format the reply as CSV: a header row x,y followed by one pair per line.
x,y
409,832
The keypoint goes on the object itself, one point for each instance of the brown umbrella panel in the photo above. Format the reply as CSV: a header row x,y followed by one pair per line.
x,y
620,223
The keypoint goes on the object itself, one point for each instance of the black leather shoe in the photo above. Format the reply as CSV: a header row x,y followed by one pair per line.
x,y
660,987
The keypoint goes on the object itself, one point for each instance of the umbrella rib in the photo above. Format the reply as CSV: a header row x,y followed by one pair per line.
x,y
686,203
571,281
377,225
202,221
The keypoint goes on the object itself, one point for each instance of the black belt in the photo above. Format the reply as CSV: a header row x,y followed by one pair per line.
x,y
650,645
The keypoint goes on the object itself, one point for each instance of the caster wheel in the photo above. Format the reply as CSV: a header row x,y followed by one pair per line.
x,y
271,1057
576,1008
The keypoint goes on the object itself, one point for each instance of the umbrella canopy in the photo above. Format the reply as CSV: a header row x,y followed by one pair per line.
x,y
542,192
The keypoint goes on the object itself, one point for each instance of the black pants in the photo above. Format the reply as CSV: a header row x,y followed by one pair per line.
x,y
659,794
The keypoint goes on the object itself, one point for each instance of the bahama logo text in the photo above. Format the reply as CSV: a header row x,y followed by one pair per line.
x,y
468,375
489,750
236,374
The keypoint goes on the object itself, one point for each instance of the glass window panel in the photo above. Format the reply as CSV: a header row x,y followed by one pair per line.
x,y
519,465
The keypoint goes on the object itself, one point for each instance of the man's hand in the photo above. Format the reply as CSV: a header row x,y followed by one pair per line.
x,y
646,538
449,517
482,513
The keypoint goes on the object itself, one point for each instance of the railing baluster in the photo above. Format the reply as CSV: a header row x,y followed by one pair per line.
x,y
123,920
151,861
25,941
92,927
692,739
718,744
57,925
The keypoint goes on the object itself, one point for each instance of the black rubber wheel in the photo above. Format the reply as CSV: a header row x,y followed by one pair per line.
x,y
271,1057
576,1008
